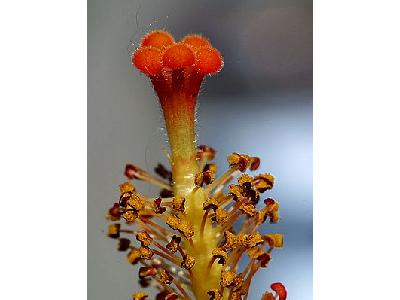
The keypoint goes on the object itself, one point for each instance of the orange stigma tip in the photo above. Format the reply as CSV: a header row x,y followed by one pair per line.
x,y
208,60
157,39
148,60
178,56
196,41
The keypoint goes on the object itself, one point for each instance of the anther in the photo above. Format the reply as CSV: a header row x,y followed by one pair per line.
x,y
123,244
139,296
173,245
214,295
221,255
114,230
188,262
144,238
165,277
178,204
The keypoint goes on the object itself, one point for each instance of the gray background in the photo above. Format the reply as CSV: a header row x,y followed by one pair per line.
x,y
261,104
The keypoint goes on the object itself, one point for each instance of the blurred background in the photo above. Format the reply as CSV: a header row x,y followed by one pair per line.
x,y
260,104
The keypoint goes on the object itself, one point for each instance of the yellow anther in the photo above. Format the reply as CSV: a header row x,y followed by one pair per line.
x,y
146,253
263,182
227,278
113,230
274,239
254,239
188,262
245,178
231,241
126,187
178,204
130,216
248,208
235,190
139,296
165,277
221,216
181,225
134,256
144,238
135,202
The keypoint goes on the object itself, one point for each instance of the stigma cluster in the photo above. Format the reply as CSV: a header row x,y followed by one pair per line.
x,y
159,53
157,231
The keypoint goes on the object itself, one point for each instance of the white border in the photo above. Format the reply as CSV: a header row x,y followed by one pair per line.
x,y
43,150
356,149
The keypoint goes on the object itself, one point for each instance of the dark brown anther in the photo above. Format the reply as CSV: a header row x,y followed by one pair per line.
x,y
254,163
164,193
264,259
280,289
115,211
144,238
174,243
158,209
147,272
165,277
144,282
131,171
123,244
205,152
163,172
114,230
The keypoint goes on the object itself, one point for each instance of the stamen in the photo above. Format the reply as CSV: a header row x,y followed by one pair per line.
x,y
134,172
220,180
